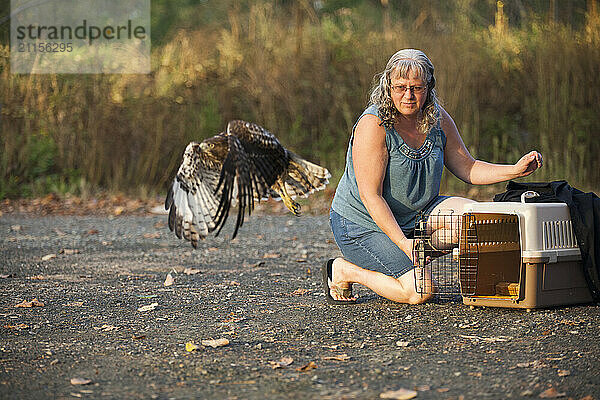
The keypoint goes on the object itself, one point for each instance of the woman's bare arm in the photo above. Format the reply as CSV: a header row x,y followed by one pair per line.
x,y
462,164
370,158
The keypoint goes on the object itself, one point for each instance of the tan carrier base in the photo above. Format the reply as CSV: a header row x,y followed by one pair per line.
x,y
541,285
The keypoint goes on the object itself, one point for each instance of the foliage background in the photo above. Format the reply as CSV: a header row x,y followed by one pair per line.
x,y
515,75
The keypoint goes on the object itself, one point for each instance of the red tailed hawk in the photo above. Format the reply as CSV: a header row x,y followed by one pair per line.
x,y
241,166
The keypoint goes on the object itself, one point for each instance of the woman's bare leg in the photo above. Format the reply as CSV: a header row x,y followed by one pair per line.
x,y
444,222
401,290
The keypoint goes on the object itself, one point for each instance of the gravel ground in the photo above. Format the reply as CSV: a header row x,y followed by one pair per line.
x,y
263,293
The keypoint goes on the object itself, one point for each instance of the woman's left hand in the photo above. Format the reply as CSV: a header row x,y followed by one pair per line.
x,y
528,163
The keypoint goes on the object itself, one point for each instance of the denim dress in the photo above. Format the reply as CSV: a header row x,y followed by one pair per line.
x,y
411,185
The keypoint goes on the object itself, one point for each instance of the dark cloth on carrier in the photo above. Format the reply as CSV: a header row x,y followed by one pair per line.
x,y
585,218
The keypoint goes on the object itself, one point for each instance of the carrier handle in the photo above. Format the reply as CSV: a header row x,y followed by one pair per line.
x,y
530,194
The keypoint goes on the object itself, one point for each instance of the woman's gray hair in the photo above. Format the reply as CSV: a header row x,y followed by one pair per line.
x,y
400,65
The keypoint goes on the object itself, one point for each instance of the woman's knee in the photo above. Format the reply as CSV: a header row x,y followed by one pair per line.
x,y
419,298
410,294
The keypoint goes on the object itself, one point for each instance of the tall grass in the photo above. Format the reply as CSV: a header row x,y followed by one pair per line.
x,y
305,76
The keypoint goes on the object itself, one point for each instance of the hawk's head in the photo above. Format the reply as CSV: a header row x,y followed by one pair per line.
x,y
215,147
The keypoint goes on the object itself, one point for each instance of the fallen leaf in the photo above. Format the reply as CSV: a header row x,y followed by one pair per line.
x,y
48,257
537,364
564,372
147,296
18,326
74,304
401,343
442,390
68,252
551,394
191,271
255,265
78,395
271,255
400,394
149,307
155,235
80,381
307,367
487,339
214,343
93,232
212,249
106,328
138,337
118,210
234,283
300,292
189,346
284,362
341,357
169,280
29,304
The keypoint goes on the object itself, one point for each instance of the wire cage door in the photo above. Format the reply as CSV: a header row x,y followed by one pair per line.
x,y
446,254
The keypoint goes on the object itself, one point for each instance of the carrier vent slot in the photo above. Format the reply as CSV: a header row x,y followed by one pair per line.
x,y
558,234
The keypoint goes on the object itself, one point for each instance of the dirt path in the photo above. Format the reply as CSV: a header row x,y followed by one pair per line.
x,y
263,293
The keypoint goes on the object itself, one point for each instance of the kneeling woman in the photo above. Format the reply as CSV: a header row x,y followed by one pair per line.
x,y
397,151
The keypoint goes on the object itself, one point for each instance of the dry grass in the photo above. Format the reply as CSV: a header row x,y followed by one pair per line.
x,y
305,77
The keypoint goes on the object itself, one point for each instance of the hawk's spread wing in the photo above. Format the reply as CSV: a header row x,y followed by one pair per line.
x,y
268,157
237,167
193,198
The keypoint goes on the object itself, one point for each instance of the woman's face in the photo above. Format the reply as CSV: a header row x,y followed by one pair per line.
x,y
408,94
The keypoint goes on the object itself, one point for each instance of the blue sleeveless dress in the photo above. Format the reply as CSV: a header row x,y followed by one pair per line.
x,y
411,185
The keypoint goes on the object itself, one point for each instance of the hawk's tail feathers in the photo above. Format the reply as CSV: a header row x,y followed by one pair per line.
x,y
304,177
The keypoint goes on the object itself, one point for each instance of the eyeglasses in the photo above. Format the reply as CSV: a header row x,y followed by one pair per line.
x,y
401,89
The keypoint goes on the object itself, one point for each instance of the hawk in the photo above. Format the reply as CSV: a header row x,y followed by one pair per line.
x,y
241,166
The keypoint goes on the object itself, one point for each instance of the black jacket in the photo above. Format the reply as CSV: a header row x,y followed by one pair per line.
x,y
585,217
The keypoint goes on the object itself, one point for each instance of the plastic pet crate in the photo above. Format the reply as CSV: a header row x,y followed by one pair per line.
x,y
501,254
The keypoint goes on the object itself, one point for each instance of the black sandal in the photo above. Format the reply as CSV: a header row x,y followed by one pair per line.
x,y
327,277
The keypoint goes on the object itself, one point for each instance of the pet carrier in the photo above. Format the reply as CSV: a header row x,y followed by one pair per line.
x,y
501,254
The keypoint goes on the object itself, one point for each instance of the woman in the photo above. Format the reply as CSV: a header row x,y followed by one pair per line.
x,y
394,163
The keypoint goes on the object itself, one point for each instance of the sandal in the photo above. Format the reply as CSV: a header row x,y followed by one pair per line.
x,y
327,277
